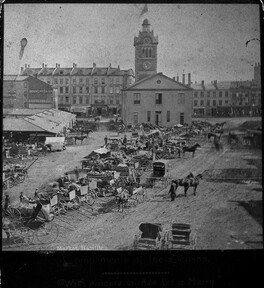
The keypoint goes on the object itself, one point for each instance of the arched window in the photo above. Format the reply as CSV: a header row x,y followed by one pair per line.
x,y
150,52
143,51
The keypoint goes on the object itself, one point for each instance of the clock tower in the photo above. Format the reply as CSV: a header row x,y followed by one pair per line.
x,y
145,52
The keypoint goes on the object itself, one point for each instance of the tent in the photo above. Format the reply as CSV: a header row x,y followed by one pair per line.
x,y
57,143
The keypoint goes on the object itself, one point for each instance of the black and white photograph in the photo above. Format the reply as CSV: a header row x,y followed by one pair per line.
x,y
131,127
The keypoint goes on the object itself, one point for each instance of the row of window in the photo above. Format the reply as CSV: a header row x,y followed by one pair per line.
x,y
158,98
147,52
86,90
208,103
157,116
86,100
211,93
66,81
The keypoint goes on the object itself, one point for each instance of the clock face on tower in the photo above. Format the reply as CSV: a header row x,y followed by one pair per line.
x,y
146,65
147,40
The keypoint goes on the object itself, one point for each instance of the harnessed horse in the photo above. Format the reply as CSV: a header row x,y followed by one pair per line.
x,y
190,149
187,182
80,138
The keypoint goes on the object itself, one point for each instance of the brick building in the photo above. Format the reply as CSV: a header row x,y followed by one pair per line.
x,y
26,92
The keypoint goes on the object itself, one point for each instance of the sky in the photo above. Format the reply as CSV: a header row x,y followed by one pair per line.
x,y
207,40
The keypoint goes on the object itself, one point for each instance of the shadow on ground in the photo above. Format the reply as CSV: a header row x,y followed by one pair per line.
x,y
254,208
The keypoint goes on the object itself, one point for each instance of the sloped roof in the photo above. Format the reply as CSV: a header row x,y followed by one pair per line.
x,y
51,120
23,111
14,78
224,84
46,71
197,86
209,86
100,71
19,124
30,71
167,83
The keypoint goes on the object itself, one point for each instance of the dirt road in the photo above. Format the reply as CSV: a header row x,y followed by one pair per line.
x,y
226,212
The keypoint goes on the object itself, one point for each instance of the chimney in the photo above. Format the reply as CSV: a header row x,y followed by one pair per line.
x,y
203,84
189,79
215,84
94,65
21,69
183,79
42,65
25,65
173,78
56,65
177,78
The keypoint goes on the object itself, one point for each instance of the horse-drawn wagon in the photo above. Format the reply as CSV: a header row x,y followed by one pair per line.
x,y
160,171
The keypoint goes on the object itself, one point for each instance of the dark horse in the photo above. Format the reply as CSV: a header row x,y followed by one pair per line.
x,y
190,149
87,132
80,138
187,182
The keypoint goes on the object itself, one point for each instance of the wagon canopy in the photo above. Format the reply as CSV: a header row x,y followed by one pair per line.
x,y
150,230
102,152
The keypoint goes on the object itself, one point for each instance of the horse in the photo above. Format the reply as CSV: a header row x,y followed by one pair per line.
x,y
87,132
217,143
210,134
122,199
187,182
80,138
190,149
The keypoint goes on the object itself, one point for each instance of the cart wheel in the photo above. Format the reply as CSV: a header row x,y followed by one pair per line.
x,y
13,213
47,233
63,206
89,200
21,178
25,234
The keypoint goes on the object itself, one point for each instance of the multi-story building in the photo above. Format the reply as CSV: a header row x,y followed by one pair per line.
x,y
26,92
158,100
88,91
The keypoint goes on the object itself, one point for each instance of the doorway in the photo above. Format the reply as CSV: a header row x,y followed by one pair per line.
x,y
158,117
182,118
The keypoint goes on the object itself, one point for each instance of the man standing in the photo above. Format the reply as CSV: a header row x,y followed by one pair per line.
x,y
172,191
105,139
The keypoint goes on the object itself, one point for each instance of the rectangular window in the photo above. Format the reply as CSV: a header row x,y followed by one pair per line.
x,y
208,94
87,89
56,80
74,80
226,101
111,90
95,99
95,89
195,103
95,80
148,116
81,90
136,98
117,90
195,94
61,81
226,93
74,90
87,80
117,80
214,94
74,100
117,99
111,80
87,100
66,81
220,102
158,98
81,80
111,99
103,90
208,102
168,116
61,90
103,99
67,99
67,90
103,80
202,94
214,103
181,98
202,103
80,100
135,118
220,94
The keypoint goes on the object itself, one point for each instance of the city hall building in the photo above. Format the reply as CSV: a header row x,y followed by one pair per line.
x,y
155,98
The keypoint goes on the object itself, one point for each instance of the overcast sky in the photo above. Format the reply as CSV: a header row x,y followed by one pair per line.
x,y
207,40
